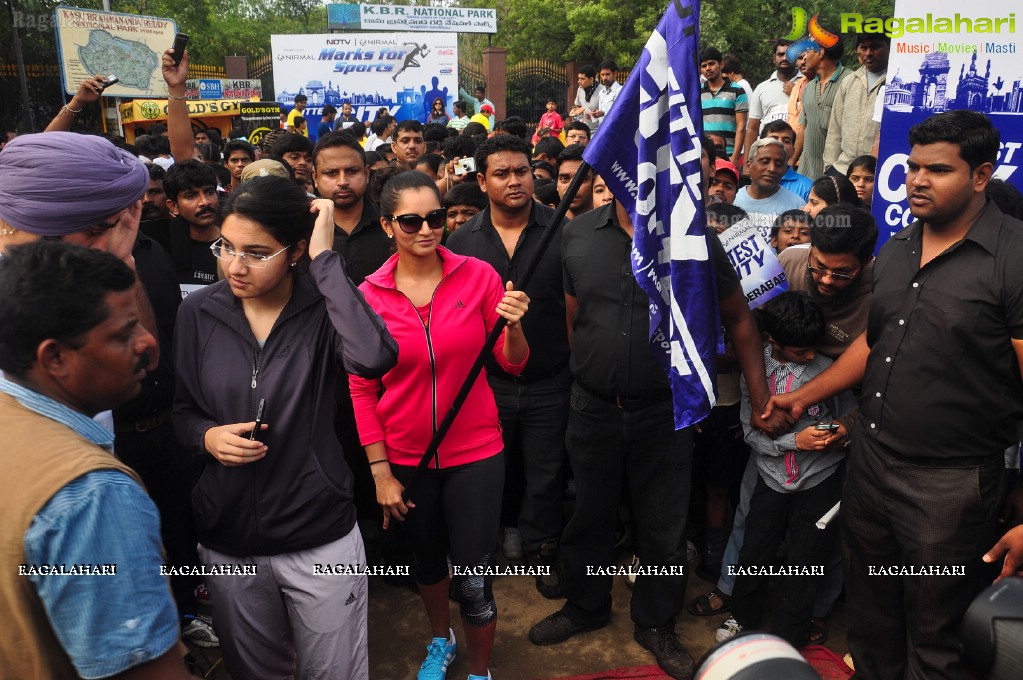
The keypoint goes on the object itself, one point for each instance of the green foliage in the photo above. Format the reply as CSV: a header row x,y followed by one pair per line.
x,y
588,31
747,28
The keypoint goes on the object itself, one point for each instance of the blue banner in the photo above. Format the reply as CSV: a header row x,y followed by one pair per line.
x,y
656,175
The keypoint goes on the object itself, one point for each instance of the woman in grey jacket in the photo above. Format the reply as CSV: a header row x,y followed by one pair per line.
x,y
275,502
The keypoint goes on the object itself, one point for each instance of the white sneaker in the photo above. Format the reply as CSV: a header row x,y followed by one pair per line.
x,y
199,631
729,629
630,578
691,553
512,543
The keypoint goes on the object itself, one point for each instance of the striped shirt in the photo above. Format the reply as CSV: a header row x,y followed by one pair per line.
x,y
814,117
719,109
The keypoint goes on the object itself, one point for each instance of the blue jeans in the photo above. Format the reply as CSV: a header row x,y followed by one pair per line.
x,y
609,447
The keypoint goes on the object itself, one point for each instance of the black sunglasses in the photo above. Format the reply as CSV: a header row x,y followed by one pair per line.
x,y
410,224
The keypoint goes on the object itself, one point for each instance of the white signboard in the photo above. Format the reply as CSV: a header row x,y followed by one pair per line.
x,y
403,72
129,46
364,17
947,55
754,262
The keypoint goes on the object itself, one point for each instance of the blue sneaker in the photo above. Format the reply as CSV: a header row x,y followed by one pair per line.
x,y
481,677
439,655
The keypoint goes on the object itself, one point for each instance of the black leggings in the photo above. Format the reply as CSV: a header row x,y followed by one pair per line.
x,y
457,512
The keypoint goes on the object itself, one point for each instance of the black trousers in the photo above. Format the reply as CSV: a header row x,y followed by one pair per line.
x,y
771,513
897,513
609,448
533,420
168,469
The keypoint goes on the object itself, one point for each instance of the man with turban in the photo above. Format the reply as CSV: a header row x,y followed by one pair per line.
x,y
123,624
98,205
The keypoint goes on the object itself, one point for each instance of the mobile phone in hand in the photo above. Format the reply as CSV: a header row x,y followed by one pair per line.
x,y
830,427
180,43
111,79
259,420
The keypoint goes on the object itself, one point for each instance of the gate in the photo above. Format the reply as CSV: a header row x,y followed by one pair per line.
x,y
530,83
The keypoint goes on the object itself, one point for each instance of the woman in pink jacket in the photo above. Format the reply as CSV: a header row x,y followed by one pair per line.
x,y
439,307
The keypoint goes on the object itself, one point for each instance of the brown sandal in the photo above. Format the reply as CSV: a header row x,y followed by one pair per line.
x,y
704,605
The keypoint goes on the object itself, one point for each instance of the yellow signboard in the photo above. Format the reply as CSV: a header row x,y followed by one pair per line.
x,y
149,110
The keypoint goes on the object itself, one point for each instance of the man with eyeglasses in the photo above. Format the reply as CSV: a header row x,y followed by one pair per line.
x,y
836,268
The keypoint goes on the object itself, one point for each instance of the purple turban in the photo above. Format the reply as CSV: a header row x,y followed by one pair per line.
x,y
59,183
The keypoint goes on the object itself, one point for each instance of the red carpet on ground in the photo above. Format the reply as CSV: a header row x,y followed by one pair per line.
x,y
828,665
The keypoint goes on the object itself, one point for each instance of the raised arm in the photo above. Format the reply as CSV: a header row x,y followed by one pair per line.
x,y
364,346
88,92
179,129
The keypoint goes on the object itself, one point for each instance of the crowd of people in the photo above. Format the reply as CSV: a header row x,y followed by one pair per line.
x,y
268,339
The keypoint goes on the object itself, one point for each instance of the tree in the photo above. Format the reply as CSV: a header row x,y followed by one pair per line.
x,y
591,30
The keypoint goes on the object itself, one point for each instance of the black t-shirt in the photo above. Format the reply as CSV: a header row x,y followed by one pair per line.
x,y
942,379
156,271
202,267
366,248
610,348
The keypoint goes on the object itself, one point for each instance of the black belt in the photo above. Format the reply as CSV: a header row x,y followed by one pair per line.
x,y
529,380
145,423
630,403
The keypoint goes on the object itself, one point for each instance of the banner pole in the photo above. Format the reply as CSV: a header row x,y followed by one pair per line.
x,y
463,393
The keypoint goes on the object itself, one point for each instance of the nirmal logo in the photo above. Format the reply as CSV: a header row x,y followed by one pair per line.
x,y
816,36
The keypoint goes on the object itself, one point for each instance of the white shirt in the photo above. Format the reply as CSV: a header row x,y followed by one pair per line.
x,y
769,101
606,97
744,84
879,105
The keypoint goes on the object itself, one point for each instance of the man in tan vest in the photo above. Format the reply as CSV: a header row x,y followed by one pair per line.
x,y
80,556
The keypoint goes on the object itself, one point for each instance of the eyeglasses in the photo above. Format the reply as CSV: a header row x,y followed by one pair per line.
x,y
412,223
227,254
837,276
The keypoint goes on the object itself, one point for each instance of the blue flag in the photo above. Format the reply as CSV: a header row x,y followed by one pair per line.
x,y
648,151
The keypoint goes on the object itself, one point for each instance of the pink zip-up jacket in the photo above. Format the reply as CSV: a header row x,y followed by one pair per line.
x,y
433,360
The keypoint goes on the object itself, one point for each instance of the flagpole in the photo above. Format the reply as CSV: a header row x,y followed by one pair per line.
x,y
495,332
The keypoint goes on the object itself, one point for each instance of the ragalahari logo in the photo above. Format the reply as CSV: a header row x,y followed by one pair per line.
x,y
816,36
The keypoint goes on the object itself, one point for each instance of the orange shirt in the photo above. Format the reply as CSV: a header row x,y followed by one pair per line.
x,y
796,103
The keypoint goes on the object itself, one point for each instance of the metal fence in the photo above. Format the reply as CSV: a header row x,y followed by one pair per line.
x,y
46,94
531,83
262,68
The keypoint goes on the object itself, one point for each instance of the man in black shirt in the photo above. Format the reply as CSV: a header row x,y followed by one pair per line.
x,y
568,162
533,406
940,365
192,198
342,175
621,430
